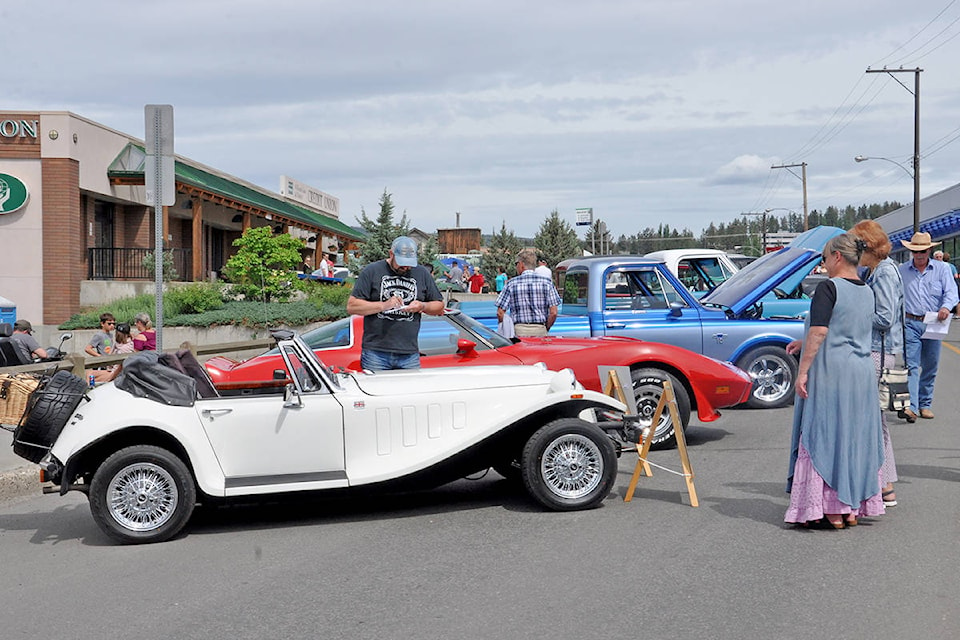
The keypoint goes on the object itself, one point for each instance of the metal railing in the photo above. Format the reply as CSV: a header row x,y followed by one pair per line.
x,y
78,363
110,263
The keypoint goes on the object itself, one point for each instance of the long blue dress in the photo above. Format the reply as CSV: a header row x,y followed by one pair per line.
x,y
839,422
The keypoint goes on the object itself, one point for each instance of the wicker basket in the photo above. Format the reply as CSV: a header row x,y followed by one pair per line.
x,y
15,390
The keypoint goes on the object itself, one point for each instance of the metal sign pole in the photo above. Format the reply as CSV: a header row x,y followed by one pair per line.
x,y
160,190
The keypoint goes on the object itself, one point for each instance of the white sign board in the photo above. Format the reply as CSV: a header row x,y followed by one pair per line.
x,y
584,216
314,198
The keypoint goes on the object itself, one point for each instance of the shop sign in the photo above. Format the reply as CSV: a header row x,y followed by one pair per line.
x,y
19,128
313,198
13,193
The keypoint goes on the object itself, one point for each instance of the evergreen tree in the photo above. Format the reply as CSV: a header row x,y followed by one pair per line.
x,y
556,240
501,252
380,233
428,251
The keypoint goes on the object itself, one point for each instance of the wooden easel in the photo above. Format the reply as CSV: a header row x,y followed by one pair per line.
x,y
668,400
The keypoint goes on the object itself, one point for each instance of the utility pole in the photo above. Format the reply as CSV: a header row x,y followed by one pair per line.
x,y
916,135
763,227
803,179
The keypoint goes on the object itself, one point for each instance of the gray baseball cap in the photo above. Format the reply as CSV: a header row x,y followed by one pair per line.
x,y
404,251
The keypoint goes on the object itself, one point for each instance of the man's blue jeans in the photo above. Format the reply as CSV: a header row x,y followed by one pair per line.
x,y
385,360
923,359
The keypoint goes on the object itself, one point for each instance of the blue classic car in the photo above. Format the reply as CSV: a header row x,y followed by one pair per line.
x,y
637,297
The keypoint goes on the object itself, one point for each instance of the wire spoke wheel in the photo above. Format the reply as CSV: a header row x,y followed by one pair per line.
x,y
142,497
568,465
572,466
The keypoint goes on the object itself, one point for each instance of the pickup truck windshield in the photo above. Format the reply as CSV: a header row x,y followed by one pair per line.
x,y
639,290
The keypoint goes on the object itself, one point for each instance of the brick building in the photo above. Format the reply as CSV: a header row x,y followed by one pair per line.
x,y
73,212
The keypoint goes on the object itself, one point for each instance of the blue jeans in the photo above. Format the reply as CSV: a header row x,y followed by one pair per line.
x,y
923,359
385,360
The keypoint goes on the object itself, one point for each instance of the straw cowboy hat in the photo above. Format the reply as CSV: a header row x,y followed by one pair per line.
x,y
919,242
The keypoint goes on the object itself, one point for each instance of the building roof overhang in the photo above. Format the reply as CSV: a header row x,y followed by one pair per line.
x,y
128,169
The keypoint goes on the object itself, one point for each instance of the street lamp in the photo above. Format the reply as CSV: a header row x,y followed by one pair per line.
x,y
865,158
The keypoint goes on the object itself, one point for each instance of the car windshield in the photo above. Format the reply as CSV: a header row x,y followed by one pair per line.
x,y
491,337
329,336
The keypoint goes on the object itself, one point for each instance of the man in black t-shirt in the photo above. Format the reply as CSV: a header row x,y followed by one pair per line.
x,y
390,295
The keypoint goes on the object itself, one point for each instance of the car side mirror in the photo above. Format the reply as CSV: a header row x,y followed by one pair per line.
x,y
676,309
466,348
291,397
279,374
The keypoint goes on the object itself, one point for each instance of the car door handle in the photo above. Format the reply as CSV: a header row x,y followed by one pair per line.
x,y
212,412
615,325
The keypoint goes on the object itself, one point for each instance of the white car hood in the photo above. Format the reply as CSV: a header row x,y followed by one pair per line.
x,y
383,383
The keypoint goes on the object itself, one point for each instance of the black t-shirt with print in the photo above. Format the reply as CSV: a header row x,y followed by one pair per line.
x,y
393,332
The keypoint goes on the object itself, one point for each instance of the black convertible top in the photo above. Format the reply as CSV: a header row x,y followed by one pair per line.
x,y
146,376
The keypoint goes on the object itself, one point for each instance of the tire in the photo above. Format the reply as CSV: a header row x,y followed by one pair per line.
x,y
569,465
647,389
47,413
142,494
774,374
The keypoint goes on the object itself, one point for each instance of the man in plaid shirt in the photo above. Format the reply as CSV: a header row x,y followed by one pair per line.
x,y
530,299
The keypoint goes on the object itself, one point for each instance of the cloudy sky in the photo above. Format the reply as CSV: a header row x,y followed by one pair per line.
x,y
649,111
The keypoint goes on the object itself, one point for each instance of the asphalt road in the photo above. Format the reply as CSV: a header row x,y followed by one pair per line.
x,y
477,559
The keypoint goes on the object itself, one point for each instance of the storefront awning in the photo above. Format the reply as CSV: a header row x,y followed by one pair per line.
x,y
939,227
127,168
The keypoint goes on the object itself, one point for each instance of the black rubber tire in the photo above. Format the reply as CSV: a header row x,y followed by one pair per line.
x,y
578,451
53,403
161,512
647,389
774,374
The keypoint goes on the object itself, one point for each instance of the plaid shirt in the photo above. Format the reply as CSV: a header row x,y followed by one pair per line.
x,y
528,298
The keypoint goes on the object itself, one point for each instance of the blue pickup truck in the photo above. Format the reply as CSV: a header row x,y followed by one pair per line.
x,y
640,298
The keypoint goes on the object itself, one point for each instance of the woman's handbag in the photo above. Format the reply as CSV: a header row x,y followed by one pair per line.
x,y
894,394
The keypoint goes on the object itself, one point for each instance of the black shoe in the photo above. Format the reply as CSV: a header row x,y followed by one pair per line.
x,y
907,415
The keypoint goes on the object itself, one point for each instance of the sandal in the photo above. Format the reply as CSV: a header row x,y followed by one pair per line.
x,y
889,498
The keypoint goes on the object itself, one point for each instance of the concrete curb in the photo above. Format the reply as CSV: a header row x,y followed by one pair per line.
x,y
19,483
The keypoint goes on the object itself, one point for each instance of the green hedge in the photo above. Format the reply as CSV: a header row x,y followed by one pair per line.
x,y
190,306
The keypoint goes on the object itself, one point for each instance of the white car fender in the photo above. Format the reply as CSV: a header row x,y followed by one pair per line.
x,y
113,412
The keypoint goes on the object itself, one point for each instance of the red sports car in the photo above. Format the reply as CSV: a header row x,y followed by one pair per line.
x,y
455,339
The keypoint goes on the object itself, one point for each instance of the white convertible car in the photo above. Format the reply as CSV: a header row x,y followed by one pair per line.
x,y
150,445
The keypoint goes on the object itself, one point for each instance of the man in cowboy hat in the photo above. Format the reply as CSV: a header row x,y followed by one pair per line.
x,y
927,287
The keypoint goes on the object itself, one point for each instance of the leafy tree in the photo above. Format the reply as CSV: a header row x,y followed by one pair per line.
x,y
380,233
502,251
556,240
261,268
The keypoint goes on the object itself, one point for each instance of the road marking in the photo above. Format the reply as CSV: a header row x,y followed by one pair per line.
x,y
952,348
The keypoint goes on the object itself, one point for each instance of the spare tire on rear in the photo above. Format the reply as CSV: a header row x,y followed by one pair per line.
x,y
50,406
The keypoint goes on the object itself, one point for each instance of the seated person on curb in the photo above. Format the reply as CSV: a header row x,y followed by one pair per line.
x,y
25,342
101,344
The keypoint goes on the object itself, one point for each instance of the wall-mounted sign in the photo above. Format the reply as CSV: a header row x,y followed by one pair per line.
x,y
19,128
13,193
313,198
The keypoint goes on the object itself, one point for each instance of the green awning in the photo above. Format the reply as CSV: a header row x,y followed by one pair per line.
x,y
130,163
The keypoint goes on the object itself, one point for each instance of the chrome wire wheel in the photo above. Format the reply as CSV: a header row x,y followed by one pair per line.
x,y
142,497
571,466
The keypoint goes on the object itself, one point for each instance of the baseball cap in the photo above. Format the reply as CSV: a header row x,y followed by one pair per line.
x,y
23,325
404,251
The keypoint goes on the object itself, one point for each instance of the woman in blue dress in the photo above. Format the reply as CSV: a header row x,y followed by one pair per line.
x,y
837,445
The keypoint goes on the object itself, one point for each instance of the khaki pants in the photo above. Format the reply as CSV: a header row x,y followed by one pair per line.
x,y
530,330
